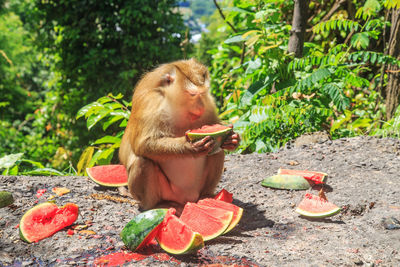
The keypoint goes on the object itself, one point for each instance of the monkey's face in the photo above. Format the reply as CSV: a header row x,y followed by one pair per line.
x,y
189,83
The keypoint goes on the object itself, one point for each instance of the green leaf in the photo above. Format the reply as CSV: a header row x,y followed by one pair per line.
x,y
235,39
360,40
34,163
9,160
84,111
13,170
94,119
84,160
254,89
253,65
107,140
44,172
111,121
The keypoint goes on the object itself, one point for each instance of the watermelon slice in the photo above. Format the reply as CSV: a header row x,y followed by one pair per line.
x,y
286,181
176,237
208,221
109,175
316,207
217,131
237,211
142,229
316,177
224,195
45,219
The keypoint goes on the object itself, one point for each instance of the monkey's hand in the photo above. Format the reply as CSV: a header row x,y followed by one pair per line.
x,y
203,146
231,142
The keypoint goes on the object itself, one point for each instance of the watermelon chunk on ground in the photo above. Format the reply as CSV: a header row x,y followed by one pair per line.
x,y
224,196
113,175
208,221
316,207
286,181
45,219
176,237
237,211
142,228
316,177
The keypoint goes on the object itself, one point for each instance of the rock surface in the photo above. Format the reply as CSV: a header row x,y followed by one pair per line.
x,y
363,179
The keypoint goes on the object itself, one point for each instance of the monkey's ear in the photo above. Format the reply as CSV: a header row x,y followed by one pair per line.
x,y
168,78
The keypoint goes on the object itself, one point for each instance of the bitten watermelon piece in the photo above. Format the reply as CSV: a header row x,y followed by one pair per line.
x,y
208,221
316,207
217,131
45,219
237,211
109,175
316,177
224,195
286,181
176,237
142,228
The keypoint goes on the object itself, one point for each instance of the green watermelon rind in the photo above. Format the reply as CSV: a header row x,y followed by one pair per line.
x,y
319,214
23,235
310,200
286,181
142,226
6,198
218,136
102,183
197,136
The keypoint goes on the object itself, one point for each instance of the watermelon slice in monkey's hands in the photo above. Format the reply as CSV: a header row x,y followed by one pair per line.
x,y
45,219
109,175
217,131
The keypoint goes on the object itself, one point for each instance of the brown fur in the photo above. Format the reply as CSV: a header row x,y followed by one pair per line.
x,y
166,103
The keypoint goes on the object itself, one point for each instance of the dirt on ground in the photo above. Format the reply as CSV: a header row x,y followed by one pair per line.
x,y
363,180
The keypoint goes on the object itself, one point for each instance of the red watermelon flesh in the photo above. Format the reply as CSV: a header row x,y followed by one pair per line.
x,y
224,195
316,177
316,207
208,221
211,129
109,175
45,219
237,211
176,237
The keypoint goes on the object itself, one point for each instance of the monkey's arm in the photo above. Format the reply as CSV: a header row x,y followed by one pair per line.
x,y
170,147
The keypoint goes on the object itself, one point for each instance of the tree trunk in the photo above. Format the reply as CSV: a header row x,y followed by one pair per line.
x,y
296,40
393,86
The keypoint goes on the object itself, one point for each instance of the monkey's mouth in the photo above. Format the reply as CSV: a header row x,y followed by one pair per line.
x,y
193,116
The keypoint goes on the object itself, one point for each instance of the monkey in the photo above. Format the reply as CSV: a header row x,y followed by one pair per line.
x,y
164,168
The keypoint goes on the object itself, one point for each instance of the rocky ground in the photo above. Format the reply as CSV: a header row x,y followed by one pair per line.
x,y
363,179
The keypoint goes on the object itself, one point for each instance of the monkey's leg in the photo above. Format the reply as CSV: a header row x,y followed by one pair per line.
x,y
215,167
148,184
143,182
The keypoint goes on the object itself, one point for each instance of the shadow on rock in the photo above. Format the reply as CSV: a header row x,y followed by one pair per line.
x,y
324,220
253,218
